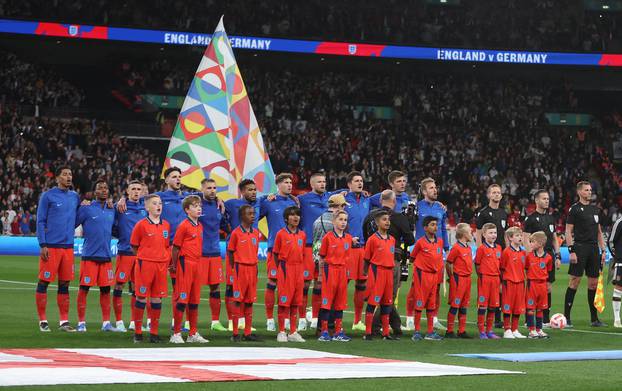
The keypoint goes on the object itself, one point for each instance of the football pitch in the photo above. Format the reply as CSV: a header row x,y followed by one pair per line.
x,y
19,329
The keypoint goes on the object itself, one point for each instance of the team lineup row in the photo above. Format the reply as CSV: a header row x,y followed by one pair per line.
x,y
316,237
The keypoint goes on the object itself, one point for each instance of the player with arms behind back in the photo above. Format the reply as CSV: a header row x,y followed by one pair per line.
x,y
459,269
487,267
538,266
512,268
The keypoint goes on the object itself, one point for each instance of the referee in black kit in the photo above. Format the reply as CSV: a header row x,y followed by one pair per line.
x,y
493,213
586,246
542,220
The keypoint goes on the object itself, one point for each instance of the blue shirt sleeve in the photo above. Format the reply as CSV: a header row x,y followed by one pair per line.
x,y
263,208
444,234
81,215
374,201
42,218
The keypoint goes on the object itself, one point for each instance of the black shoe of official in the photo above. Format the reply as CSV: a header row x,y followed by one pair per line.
x,y
498,325
389,338
138,338
154,338
235,338
598,323
464,336
251,338
450,335
368,337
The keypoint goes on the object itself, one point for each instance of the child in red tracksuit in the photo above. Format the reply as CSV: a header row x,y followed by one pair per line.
x,y
487,267
538,266
459,269
512,268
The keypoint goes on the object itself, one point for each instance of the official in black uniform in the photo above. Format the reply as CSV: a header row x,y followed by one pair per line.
x,y
542,220
615,247
586,246
493,213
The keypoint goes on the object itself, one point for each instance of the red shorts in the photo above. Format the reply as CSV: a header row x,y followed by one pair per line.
x,y
513,299
309,271
379,285
355,264
210,269
290,283
96,273
229,272
424,289
124,271
488,291
60,262
150,279
188,282
459,291
244,283
334,287
439,276
537,295
271,269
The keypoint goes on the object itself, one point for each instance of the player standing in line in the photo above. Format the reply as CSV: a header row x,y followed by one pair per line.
x,y
334,252
379,262
150,242
538,266
357,209
542,220
459,269
429,206
248,190
493,213
288,253
615,247
124,224
56,217
322,226
512,267
312,205
398,181
427,257
97,220
242,257
273,211
584,238
210,266
487,267
185,262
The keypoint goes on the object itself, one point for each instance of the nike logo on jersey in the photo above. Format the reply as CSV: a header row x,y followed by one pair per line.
x,y
94,217
150,234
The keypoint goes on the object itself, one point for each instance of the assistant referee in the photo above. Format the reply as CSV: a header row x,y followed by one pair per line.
x,y
587,250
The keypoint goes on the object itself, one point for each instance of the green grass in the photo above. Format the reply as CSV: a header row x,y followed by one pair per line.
x,y
18,329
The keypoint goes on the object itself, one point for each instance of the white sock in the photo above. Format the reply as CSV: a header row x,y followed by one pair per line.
x,y
106,323
435,319
615,304
410,319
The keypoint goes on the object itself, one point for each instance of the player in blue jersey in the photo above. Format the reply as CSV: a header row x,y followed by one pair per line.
x,y
273,211
248,190
429,206
210,265
358,208
397,180
124,273
97,220
312,205
56,216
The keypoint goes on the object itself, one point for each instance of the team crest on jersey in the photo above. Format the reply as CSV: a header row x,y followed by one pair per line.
x,y
542,265
121,275
254,241
231,279
392,249
457,301
419,303
506,307
346,246
87,280
47,274
324,301
273,272
165,234
438,250
530,301
143,289
283,299
482,299
522,259
183,295
498,254
376,298
236,294
300,242
596,218
305,273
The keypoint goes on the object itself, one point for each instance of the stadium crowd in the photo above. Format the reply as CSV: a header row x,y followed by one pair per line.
x,y
533,24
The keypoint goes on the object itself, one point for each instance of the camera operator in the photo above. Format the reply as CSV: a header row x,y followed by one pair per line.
x,y
402,230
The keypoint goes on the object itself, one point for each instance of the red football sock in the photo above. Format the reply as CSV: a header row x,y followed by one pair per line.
x,y
369,319
430,319
338,326
62,300
282,313
137,314
515,319
81,304
42,301
214,304
481,324
451,318
293,318
104,303
410,306
269,301
155,319
506,321
384,318
193,317
325,326
117,305
359,300
418,321
490,320
148,308
248,319
178,319
462,318
316,303
302,309
229,307
235,317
